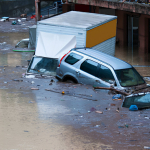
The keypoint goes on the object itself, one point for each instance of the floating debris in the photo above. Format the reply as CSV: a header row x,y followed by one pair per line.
x,y
34,89
99,112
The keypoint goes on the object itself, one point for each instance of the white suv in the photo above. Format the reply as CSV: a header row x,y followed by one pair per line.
x,y
88,66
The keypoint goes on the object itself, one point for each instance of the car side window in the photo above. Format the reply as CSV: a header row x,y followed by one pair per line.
x,y
90,67
105,73
73,58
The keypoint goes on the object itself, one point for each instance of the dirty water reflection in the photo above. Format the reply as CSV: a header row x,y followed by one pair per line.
x,y
13,38
136,57
10,58
21,126
15,59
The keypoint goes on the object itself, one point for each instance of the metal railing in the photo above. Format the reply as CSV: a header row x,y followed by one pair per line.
x,y
51,10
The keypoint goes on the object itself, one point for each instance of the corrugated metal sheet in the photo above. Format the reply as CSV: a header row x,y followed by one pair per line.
x,y
76,19
107,46
79,33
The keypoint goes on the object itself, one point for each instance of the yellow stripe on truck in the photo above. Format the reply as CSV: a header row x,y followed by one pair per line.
x,y
101,33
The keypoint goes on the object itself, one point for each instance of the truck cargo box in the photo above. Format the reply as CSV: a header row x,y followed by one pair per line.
x,y
97,31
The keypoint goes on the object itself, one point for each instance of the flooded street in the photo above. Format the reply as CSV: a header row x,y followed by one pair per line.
x,y
29,122
44,119
140,60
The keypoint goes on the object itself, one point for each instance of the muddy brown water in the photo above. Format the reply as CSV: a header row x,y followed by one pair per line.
x,y
136,57
13,38
46,120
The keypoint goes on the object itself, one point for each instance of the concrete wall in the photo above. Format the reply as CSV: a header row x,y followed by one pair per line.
x,y
143,32
127,6
17,7
121,27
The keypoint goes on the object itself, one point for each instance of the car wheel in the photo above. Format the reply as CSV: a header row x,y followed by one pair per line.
x,y
70,81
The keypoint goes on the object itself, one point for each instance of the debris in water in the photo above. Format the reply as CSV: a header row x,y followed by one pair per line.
x,y
117,110
92,109
99,112
112,89
147,78
146,117
133,108
5,18
34,89
146,147
63,92
18,80
140,100
52,80
30,76
113,104
117,97
32,82
94,100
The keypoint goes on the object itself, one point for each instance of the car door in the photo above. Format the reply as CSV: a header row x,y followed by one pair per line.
x,y
94,74
105,76
87,72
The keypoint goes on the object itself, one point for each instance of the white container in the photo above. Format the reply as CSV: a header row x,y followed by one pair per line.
x,y
97,31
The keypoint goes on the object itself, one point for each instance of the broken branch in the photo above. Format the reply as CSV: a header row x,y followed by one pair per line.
x,y
105,88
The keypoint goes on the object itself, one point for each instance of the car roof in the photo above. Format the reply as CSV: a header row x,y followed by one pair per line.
x,y
116,63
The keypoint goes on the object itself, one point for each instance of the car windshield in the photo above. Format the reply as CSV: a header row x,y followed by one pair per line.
x,y
129,77
42,65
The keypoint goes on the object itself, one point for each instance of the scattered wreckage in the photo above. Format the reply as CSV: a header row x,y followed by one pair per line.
x,y
89,66
55,39
49,48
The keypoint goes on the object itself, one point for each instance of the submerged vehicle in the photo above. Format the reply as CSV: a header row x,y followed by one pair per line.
x,y
23,43
43,66
89,66
49,48
141,100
